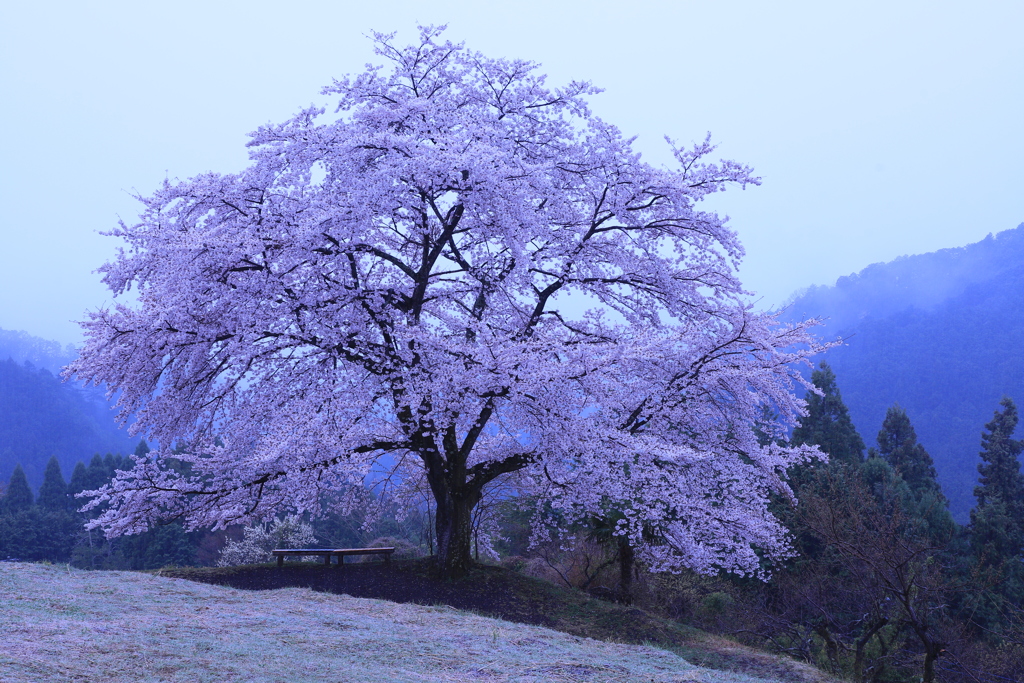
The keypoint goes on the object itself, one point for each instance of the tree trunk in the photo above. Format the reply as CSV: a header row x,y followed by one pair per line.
x,y
430,529
932,652
627,557
457,490
933,649
454,526
858,661
831,646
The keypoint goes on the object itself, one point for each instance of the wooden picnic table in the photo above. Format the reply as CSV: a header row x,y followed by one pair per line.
x,y
328,553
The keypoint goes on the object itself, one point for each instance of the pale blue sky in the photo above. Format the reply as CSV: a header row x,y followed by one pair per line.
x,y
879,128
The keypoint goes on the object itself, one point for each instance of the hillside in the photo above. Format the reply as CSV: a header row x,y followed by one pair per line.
x,y
942,334
62,624
42,416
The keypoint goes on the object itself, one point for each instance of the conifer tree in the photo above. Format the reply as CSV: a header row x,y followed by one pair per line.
x,y
827,424
923,501
97,473
79,479
53,494
19,495
1000,468
897,445
997,523
995,534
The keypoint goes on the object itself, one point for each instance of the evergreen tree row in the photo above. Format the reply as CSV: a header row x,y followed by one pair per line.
x,y
887,585
48,526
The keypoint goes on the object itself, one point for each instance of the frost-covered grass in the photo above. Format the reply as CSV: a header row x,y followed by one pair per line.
x,y
61,624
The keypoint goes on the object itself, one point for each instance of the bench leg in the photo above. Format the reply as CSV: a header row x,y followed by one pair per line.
x,y
327,560
280,560
387,559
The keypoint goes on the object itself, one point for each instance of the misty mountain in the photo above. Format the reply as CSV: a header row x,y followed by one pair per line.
x,y
21,347
42,416
942,334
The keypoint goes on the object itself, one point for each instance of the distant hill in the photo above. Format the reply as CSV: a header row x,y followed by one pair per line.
x,y
42,416
22,347
942,334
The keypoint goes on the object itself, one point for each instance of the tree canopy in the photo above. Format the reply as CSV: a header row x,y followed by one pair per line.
x,y
827,423
461,275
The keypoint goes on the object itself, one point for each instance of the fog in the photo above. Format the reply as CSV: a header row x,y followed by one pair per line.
x,y
879,129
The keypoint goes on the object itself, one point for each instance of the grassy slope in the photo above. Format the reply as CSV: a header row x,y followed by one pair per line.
x,y
61,624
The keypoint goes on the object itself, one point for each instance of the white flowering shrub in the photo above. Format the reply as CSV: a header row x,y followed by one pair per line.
x,y
257,541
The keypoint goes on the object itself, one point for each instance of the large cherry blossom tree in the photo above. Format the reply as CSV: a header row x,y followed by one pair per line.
x,y
459,275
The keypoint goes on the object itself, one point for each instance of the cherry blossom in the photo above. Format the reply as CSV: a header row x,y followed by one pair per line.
x,y
458,276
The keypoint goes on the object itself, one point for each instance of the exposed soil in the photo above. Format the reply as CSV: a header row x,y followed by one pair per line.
x,y
505,594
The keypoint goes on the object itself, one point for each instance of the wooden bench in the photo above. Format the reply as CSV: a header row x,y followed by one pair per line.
x,y
340,553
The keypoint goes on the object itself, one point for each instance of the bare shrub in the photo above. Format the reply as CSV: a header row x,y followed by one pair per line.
x,y
404,549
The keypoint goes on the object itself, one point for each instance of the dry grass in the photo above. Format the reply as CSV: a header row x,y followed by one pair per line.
x,y
62,624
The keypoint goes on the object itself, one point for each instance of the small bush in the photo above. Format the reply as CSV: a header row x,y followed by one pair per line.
x,y
404,549
716,604
257,541
516,563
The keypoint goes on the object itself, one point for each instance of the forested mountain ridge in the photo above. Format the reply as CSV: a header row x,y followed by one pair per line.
x,y
41,416
942,334
922,281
